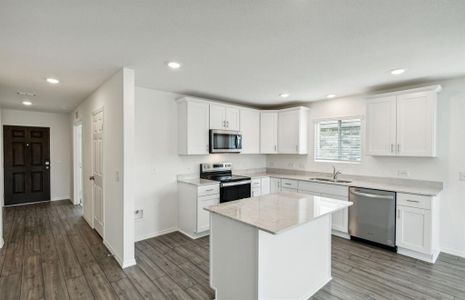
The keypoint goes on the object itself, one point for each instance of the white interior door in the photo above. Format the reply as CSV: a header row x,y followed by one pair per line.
x,y
97,170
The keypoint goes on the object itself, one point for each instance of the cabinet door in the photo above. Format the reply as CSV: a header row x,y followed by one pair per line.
x,y
232,118
413,229
265,185
340,219
250,128
275,185
268,132
381,126
197,128
416,129
255,192
203,216
288,131
217,116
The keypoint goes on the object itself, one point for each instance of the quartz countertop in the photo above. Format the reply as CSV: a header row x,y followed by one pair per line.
x,y
409,186
197,181
278,212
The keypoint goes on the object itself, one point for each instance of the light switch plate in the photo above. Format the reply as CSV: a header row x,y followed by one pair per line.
x,y
462,176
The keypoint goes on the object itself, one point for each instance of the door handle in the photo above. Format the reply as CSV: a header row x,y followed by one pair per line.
x,y
92,178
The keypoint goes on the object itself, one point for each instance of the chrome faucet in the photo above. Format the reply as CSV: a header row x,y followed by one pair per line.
x,y
336,173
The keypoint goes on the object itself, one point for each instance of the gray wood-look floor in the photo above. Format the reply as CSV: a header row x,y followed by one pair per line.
x,y
51,253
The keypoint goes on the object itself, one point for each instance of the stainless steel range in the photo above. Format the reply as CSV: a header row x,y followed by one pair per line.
x,y
232,187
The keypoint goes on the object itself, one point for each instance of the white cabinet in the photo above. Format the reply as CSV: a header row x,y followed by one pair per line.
x,y
403,123
340,219
256,187
266,185
289,185
416,124
193,125
269,132
193,219
224,117
417,226
275,185
292,130
250,129
381,126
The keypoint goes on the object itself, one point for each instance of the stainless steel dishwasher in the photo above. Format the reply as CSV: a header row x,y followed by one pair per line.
x,y
372,217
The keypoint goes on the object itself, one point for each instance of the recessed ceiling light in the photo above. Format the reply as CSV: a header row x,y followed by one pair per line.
x,y
26,102
284,95
52,80
174,65
331,96
397,71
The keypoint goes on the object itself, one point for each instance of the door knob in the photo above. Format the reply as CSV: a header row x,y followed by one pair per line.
x,y
92,178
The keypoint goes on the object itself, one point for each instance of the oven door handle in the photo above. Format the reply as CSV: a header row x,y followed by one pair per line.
x,y
235,183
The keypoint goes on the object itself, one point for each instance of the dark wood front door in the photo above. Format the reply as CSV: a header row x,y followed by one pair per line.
x,y
26,164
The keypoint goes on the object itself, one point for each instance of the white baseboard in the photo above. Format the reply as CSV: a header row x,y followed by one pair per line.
x,y
118,259
129,263
341,234
453,252
155,234
195,235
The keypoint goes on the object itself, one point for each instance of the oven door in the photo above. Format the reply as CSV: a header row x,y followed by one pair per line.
x,y
231,191
225,141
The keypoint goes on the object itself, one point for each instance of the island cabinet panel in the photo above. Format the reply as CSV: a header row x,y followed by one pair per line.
x,y
417,226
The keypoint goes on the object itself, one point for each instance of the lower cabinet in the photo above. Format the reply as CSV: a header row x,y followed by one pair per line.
x,y
275,185
260,186
340,219
266,185
417,226
193,219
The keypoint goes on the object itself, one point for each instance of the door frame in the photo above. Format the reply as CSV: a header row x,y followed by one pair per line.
x,y
78,185
92,155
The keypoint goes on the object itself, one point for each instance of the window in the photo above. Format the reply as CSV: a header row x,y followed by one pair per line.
x,y
338,140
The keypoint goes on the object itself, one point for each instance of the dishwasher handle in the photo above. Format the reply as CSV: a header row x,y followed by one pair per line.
x,y
367,195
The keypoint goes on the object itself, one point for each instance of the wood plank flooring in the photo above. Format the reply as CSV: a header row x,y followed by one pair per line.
x,y
51,253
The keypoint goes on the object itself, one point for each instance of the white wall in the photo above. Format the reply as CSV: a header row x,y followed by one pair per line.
x,y
117,92
60,145
445,168
157,162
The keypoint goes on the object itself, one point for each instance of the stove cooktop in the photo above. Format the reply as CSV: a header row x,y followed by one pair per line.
x,y
228,178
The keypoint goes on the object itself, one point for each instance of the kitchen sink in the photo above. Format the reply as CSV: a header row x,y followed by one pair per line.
x,y
330,180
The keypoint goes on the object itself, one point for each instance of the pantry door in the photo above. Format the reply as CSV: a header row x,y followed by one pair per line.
x,y
97,170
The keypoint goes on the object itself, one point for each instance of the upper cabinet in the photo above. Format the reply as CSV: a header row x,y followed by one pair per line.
x,y
250,128
269,132
292,130
193,125
224,117
403,123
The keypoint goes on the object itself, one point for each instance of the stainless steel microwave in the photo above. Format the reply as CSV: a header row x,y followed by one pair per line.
x,y
225,141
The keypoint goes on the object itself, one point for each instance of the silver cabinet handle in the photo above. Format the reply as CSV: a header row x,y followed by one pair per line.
x,y
392,148
296,148
398,148
275,148
414,201
398,213
209,190
287,183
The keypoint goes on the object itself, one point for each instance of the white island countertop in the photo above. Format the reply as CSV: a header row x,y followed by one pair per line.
x,y
278,212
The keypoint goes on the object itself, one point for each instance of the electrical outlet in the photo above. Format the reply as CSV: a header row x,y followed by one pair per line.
x,y
290,164
302,166
402,173
138,214
462,176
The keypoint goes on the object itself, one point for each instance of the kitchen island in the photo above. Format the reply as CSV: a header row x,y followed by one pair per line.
x,y
275,246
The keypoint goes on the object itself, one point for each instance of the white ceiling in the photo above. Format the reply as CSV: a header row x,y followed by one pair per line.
x,y
241,50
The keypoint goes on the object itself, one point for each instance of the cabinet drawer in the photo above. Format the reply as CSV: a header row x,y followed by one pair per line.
x,y
414,200
286,189
323,188
208,190
256,182
289,183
